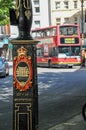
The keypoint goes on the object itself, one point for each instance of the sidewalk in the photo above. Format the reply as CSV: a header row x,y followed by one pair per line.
x,y
76,123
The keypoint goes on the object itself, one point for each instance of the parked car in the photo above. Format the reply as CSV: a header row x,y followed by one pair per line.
x,y
4,68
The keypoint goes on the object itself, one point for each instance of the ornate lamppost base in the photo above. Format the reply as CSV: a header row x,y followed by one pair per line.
x,y
25,90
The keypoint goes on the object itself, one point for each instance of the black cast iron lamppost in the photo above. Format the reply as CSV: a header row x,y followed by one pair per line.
x,y
82,22
25,89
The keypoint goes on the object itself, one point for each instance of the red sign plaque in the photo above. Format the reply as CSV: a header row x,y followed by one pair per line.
x,y
22,66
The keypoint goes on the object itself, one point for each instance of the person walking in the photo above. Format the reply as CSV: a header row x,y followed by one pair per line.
x,y
83,58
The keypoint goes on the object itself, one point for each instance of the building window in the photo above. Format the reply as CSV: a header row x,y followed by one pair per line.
x,y
66,5
37,9
58,21
36,2
36,6
75,20
75,4
66,20
57,5
37,24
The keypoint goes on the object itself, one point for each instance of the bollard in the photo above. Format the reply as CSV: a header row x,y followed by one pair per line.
x,y
25,87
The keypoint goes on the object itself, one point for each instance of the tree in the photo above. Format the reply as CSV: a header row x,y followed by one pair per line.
x,y
4,11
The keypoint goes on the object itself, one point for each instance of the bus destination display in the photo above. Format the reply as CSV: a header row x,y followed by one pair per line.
x,y
69,40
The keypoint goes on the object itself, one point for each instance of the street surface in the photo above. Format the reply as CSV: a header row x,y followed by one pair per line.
x,y
6,103
62,93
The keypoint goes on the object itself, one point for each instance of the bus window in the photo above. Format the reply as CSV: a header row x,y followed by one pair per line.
x,y
53,51
42,33
75,51
70,51
38,34
75,30
40,52
53,31
64,50
46,50
68,30
63,31
33,34
48,32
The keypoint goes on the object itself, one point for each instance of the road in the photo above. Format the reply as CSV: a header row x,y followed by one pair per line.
x,y
6,92
62,93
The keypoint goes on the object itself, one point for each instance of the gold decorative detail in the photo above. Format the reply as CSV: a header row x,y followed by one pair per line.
x,y
17,13
27,4
22,83
22,71
28,14
22,51
17,4
19,112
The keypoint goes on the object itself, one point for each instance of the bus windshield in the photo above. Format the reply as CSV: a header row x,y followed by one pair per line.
x,y
70,50
68,30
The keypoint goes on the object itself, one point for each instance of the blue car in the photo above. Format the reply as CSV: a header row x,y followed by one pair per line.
x,y
4,68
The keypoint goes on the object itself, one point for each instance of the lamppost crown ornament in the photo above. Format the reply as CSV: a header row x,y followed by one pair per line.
x,y
22,51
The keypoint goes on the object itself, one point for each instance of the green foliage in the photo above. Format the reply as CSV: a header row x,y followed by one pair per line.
x,y
4,10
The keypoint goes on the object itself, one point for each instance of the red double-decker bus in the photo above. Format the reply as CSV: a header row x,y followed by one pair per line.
x,y
58,45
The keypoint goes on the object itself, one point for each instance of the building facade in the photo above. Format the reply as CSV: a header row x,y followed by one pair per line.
x,y
69,11
53,12
41,13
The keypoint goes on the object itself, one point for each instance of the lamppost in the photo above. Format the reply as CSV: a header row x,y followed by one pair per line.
x,y
25,88
82,23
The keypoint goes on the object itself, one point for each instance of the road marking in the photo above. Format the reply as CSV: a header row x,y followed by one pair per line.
x,y
69,123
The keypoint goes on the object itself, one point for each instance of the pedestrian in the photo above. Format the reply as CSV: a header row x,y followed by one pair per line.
x,y
83,58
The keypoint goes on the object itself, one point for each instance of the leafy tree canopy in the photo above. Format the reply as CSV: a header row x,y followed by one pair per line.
x,y
4,11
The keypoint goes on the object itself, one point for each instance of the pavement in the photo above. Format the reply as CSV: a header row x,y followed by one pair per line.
x,y
76,123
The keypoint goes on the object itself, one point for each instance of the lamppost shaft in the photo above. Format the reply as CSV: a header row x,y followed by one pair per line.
x,y
82,23
82,16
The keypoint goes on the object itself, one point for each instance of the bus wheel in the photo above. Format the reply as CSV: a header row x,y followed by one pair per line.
x,y
70,66
50,64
